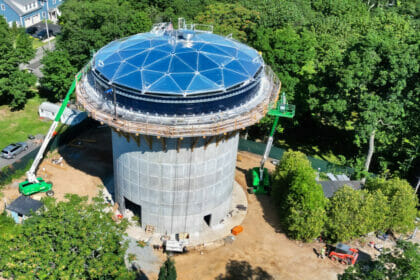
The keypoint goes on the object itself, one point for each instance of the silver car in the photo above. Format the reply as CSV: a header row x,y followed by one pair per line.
x,y
13,150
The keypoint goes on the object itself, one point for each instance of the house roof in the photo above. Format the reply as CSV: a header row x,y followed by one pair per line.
x,y
330,187
24,204
14,7
24,2
19,11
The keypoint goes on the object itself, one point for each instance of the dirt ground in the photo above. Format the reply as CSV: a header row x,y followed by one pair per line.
x,y
261,250
86,163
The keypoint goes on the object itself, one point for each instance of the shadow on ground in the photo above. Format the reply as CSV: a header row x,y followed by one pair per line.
x,y
363,257
90,151
242,270
270,212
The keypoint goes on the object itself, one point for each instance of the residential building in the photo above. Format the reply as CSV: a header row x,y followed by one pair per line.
x,y
26,13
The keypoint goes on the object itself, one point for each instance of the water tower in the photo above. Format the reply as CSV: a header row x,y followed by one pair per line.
x,y
176,100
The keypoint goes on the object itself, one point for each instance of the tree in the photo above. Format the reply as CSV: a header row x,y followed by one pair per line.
x,y
306,215
299,197
17,88
89,25
353,213
58,74
402,202
401,263
67,240
375,78
230,19
15,85
167,270
292,54
286,171
24,49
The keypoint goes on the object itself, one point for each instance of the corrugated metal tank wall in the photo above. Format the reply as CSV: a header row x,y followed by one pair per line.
x,y
178,186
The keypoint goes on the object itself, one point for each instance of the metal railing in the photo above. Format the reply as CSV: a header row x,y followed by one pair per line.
x,y
180,126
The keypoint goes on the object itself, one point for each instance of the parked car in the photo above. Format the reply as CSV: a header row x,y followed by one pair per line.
x,y
13,150
42,35
31,30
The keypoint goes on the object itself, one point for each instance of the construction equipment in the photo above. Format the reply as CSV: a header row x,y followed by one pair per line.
x,y
344,254
260,175
176,243
33,184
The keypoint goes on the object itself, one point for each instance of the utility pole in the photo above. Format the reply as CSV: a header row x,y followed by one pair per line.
x,y
417,186
46,26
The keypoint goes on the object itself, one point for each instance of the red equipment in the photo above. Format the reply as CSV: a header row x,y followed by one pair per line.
x,y
344,254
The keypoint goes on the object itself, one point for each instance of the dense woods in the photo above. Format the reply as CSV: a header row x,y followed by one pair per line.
x,y
351,67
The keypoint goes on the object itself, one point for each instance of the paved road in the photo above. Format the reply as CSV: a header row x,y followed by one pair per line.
x,y
32,145
35,64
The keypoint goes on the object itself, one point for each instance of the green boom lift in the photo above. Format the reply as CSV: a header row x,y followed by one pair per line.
x,y
35,184
260,175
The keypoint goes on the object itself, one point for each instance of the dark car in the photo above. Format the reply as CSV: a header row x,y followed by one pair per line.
x,y
42,35
13,150
31,30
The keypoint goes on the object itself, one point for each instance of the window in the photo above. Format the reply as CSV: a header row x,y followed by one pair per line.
x,y
207,219
54,1
44,15
3,7
42,3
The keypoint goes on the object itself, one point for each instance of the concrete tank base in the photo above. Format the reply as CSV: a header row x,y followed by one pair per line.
x,y
210,237
175,185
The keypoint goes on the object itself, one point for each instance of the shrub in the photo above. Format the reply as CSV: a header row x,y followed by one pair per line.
x,y
356,212
300,199
401,199
167,270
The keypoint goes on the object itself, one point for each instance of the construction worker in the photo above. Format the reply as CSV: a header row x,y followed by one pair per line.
x,y
323,252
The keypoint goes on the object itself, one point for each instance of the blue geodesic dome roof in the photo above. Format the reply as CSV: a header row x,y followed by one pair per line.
x,y
168,64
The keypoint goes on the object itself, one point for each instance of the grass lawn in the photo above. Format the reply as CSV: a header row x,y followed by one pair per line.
x,y
15,126
36,43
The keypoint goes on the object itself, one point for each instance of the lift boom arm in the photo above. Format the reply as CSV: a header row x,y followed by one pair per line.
x,y
281,110
31,172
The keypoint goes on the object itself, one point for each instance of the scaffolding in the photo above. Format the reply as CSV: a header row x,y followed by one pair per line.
x,y
125,120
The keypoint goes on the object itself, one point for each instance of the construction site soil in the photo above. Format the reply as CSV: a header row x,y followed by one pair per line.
x,y
261,251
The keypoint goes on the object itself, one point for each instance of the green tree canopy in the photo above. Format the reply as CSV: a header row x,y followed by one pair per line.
x,y
15,85
402,202
167,270
67,240
24,49
58,74
299,197
353,213
230,19
89,25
